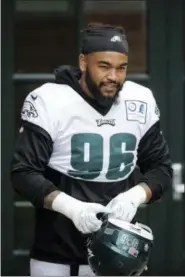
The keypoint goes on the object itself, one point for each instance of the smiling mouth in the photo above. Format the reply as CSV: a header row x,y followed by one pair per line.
x,y
110,87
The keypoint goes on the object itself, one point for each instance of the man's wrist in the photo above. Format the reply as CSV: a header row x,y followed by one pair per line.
x,y
48,199
147,191
137,195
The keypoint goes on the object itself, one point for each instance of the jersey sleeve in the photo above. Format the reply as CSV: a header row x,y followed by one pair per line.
x,y
39,109
153,113
153,154
32,151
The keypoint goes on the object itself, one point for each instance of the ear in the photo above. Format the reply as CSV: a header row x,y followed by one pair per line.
x,y
82,62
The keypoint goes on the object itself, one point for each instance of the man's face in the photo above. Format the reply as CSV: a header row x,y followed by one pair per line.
x,y
105,73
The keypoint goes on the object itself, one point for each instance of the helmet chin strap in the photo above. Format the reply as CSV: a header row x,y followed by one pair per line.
x,y
102,216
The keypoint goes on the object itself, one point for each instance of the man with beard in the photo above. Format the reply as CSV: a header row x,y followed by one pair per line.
x,y
80,141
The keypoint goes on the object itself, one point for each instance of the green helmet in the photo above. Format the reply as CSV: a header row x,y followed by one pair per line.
x,y
119,248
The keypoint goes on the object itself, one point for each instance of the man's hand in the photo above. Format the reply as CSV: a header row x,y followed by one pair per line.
x,y
82,214
124,206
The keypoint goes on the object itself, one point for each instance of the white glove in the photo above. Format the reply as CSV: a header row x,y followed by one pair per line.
x,y
124,206
82,214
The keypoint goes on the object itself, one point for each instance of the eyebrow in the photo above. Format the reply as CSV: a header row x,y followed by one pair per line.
x,y
109,64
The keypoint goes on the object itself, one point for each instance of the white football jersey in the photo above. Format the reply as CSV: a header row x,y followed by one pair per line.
x,y
86,144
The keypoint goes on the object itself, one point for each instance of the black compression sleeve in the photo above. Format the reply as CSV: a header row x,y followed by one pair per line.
x,y
154,161
32,151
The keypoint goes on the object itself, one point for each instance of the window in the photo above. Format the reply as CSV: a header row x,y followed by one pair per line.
x,y
45,35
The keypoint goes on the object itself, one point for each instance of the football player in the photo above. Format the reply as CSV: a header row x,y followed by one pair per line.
x,y
80,141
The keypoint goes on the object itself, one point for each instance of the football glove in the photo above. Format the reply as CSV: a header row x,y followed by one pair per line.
x,y
82,214
124,206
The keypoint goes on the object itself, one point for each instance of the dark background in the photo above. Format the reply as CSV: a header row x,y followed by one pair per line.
x,y
37,36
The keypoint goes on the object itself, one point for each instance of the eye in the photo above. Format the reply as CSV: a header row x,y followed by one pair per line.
x,y
122,68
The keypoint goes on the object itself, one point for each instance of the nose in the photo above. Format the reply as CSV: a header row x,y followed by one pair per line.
x,y
112,76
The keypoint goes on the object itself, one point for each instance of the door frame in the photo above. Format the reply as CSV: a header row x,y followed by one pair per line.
x,y
7,134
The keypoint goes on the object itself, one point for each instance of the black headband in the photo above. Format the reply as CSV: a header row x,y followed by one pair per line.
x,y
98,40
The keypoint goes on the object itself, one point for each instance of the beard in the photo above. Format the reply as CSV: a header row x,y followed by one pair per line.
x,y
95,90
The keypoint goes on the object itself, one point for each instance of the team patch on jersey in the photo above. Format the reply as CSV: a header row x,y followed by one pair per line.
x,y
29,110
136,110
101,122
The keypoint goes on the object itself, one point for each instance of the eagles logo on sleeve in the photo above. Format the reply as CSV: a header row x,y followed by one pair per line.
x,y
29,110
39,110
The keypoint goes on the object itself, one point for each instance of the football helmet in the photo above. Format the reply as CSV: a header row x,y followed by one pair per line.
x,y
119,248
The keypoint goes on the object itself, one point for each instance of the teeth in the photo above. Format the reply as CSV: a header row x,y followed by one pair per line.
x,y
110,86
